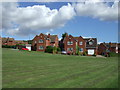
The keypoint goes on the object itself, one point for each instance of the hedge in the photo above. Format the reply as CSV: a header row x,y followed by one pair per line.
x,y
7,46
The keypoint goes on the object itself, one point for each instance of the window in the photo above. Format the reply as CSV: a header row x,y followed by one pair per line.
x,y
40,41
69,43
81,43
41,47
90,43
69,49
35,41
81,49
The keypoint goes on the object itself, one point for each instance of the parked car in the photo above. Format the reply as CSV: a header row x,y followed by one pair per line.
x,y
70,53
64,52
25,49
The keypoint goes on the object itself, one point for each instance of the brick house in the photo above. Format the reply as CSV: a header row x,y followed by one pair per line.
x,y
8,41
39,43
88,45
11,41
70,44
91,46
108,47
80,42
20,42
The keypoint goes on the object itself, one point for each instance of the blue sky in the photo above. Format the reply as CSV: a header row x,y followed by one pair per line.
x,y
86,26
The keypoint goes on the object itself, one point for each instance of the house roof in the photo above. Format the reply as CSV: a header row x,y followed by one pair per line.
x,y
93,40
110,44
53,37
76,38
113,44
4,40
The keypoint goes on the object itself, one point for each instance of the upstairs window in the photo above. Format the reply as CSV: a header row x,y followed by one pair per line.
x,y
81,43
41,47
40,41
35,41
69,43
90,43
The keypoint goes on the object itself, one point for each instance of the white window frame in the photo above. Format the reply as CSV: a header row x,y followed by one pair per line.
x,y
40,41
41,48
81,43
70,43
69,49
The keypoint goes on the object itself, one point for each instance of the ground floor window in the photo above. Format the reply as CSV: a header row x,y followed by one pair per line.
x,y
81,49
41,47
69,49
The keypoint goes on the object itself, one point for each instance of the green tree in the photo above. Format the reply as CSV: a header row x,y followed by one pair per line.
x,y
77,50
64,35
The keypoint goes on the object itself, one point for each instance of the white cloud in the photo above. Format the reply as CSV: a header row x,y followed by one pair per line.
x,y
33,18
98,10
29,20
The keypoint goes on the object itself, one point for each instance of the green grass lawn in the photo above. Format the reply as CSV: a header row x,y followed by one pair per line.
x,y
22,69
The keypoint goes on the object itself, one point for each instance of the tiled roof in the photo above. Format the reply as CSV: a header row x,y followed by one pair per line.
x,y
110,44
93,40
4,40
53,37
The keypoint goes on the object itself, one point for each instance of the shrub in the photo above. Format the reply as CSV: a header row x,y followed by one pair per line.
x,y
7,46
49,49
58,49
85,53
54,50
113,54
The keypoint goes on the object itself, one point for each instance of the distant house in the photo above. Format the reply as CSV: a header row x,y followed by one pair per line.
x,y
108,47
8,41
88,45
11,41
40,42
20,42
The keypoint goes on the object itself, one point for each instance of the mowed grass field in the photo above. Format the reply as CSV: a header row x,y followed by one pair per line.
x,y
22,69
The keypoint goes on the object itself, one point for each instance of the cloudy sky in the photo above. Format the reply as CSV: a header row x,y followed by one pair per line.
x,y
24,20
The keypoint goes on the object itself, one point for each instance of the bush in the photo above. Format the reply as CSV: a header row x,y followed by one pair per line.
x,y
7,46
85,53
94,55
113,54
58,49
49,49
54,50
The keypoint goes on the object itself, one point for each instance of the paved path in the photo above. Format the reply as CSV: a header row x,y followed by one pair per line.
x,y
101,56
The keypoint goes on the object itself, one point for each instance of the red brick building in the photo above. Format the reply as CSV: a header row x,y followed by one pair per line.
x,y
11,41
39,43
88,45
91,46
108,47
70,44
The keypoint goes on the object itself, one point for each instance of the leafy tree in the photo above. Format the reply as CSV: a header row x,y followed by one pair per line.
x,y
64,35
77,50
29,41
